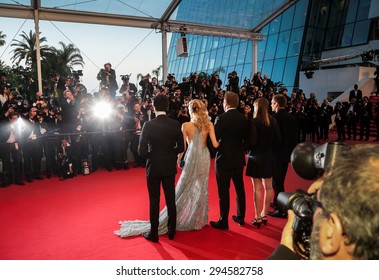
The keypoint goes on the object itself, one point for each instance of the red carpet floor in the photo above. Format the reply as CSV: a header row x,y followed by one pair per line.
x,y
75,219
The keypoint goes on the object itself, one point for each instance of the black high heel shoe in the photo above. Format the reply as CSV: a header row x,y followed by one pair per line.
x,y
257,222
264,220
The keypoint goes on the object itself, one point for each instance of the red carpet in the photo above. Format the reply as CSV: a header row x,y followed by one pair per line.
x,y
75,220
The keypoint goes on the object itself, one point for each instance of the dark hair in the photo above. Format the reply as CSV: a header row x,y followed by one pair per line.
x,y
161,102
281,100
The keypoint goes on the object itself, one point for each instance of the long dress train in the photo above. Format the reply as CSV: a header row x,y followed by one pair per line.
x,y
191,195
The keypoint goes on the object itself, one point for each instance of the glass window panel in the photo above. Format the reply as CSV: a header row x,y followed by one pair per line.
x,y
352,11
267,67
242,52
206,62
283,42
247,68
239,70
275,25
271,46
189,65
228,42
225,56
198,45
300,13
200,62
361,32
195,62
347,35
203,43
219,57
233,55
259,67
277,71
331,40
295,42
290,71
249,52
215,43
261,48
336,12
364,7
185,63
287,19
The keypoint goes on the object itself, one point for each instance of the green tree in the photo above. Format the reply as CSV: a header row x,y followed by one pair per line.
x,y
2,38
26,50
62,60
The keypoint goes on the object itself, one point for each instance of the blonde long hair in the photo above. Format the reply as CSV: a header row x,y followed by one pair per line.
x,y
199,114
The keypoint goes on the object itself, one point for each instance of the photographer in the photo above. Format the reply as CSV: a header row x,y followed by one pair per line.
x,y
345,223
183,115
127,87
233,84
147,88
107,78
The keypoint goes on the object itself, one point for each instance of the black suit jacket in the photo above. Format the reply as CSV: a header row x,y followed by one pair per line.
x,y
289,128
231,131
356,96
160,142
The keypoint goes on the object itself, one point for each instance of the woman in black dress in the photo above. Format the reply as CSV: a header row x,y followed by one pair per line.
x,y
264,134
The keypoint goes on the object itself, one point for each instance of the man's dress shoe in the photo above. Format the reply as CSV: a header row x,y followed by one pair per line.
x,y
219,225
171,235
238,220
150,237
278,214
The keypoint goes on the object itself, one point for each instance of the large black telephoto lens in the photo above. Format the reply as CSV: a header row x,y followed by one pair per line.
x,y
302,226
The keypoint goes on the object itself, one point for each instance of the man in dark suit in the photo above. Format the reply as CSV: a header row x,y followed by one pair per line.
x,y
288,126
9,146
107,78
231,131
160,142
355,93
365,118
32,147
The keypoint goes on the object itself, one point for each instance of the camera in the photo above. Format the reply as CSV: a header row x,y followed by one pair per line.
x,y
309,161
125,77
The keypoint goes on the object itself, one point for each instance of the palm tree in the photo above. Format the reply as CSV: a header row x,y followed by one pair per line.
x,y
26,49
62,60
2,38
157,72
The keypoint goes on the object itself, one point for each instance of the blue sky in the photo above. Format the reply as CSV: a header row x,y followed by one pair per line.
x,y
98,43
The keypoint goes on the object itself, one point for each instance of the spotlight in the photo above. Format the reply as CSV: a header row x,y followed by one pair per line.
x,y
102,110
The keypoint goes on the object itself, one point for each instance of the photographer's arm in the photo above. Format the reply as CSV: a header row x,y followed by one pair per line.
x,y
285,250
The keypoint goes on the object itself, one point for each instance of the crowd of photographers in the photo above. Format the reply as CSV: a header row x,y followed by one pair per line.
x,y
77,132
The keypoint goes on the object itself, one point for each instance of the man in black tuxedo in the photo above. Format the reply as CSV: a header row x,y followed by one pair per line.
x,y
355,93
160,142
288,125
231,131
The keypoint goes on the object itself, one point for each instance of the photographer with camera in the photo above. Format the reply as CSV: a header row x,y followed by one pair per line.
x,y
107,78
233,84
344,213
183,115
147,88
127,87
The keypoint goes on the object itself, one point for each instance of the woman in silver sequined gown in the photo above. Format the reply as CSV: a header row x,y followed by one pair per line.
x,y
191,192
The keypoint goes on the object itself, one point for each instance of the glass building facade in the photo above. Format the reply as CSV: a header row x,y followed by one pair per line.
x,y
291,40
